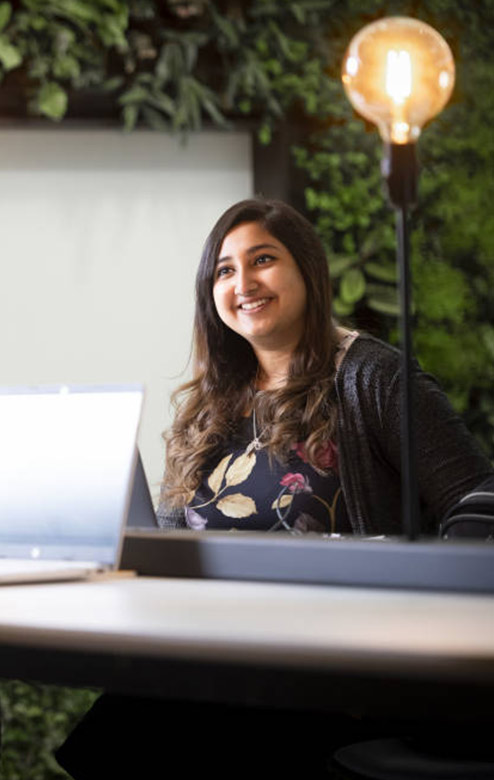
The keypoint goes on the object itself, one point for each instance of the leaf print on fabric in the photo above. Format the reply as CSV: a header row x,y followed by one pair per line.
x,y
282,502
216,478
240,469
237,505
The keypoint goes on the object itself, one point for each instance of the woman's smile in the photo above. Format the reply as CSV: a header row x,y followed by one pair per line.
x,y
259,291
254,306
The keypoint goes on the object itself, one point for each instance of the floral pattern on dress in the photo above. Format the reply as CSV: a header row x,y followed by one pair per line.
x,y
246,490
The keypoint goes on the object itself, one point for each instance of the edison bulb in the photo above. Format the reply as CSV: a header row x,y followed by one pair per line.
x,y
398,72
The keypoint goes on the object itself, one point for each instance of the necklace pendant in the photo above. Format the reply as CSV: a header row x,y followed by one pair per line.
x,y
255,444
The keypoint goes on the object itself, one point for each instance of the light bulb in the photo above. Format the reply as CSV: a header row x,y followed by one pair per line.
x,y
398,73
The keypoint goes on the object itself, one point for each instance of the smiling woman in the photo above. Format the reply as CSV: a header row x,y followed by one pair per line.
x,y
291,421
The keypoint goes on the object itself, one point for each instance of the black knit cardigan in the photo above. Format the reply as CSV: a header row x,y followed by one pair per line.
x,y
449,461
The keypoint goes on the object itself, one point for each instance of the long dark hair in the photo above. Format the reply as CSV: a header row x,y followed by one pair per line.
x,y
225,364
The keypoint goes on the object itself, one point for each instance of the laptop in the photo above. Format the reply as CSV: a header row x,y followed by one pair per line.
x,y
67,460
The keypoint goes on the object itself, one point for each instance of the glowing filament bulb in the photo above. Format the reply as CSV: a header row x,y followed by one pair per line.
x,y
398,75
398,72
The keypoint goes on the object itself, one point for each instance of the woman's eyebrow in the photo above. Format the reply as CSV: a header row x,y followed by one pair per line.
x,y
250,251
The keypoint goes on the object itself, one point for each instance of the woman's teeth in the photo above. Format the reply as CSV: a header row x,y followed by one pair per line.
x,y
253,304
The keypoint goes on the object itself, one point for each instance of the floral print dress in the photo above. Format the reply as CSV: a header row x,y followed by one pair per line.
x,y
242,488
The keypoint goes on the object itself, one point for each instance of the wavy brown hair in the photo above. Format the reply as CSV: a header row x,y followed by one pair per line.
x,y
209,407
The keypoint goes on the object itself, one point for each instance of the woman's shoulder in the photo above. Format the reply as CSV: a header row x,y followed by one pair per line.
x,y
368,358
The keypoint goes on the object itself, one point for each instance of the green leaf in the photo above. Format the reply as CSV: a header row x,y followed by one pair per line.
x,y
110,85
338,265
135,94
52,100
299,12
10,56
342,309
66,67
385,272
487,335
5,14
352,285
155,120
264,134
383,298
213,111
130,114
162,102
384,307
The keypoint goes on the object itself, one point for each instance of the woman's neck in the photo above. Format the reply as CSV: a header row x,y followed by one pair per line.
x,y
273,368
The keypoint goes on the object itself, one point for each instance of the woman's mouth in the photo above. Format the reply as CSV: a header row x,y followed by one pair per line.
x,y
251,306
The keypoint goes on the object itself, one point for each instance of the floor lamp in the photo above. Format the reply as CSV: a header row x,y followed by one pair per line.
x,y
398,73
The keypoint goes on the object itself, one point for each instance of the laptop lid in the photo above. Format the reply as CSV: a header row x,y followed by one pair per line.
x,y
67,456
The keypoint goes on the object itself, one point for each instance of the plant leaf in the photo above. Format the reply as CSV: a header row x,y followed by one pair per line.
x,y
237,505
342,309
52,100
352,285
384,307
10,57
338,265
386,272
5,13
240,469
130,114
216,478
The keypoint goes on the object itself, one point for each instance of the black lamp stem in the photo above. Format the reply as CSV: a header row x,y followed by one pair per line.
x,y
409,487
400,171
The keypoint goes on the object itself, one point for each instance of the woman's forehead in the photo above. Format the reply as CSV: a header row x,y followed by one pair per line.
x,y
247,236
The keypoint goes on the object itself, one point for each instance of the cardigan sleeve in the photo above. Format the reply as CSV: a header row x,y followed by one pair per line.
x,y
168,517
449,460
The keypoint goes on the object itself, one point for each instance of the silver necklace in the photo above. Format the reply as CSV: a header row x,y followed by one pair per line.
x,y
256,444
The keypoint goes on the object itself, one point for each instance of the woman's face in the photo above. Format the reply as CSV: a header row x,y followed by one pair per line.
x,y
258,289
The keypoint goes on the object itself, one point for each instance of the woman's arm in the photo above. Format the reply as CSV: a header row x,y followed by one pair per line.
x,y
449,461
170,518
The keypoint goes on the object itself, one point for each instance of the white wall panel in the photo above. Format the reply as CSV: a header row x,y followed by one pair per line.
x,y
101,234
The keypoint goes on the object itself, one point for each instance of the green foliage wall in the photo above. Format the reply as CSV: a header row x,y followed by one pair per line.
x,y
35,721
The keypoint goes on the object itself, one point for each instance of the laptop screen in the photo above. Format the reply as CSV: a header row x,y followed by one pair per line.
x,y
66,459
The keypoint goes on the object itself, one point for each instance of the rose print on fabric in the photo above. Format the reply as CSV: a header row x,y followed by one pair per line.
x,y
296,483
326,456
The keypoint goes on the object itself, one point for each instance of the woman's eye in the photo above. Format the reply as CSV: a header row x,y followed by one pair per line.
x,y
262,259
223,271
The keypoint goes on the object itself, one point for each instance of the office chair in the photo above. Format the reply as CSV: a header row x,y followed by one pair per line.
x,y
472,517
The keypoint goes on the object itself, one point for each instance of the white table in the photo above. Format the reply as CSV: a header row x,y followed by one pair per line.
x,y
251,642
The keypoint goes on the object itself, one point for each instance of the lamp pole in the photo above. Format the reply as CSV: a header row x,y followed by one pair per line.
x,y
398,72
399,169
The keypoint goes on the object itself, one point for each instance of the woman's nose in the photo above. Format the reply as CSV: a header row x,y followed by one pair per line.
x,y
245,282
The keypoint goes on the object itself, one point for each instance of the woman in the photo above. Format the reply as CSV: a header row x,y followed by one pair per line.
x,y
291,421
